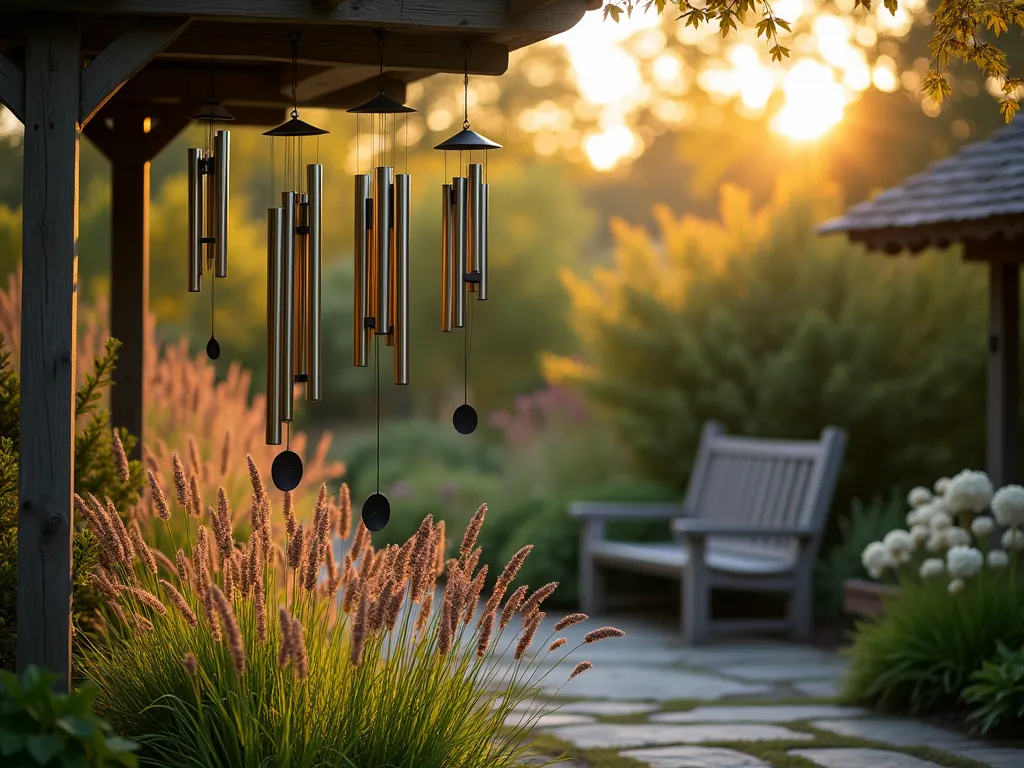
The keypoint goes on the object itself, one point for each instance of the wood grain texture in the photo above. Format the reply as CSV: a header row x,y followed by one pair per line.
x,y
466,16
12,88
128,54
49,302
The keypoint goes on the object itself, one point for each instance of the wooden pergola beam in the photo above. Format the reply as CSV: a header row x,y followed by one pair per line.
x,y
329,46
12,88
124,57
466,16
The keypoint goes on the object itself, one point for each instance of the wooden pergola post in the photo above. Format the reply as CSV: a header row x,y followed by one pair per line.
x,y
1002,444
48,314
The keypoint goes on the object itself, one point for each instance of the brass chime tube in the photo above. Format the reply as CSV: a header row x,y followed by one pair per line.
x,y
481,264
288,299
474,198
382,196
314,310
275,310
301,286
195,220
222,172
209,212
459,245
361,269
447,261
403,194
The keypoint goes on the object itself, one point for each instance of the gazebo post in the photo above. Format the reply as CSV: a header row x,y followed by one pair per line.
x,y
48,314
1001,411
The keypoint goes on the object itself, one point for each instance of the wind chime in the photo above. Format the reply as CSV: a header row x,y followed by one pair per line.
x,y
464,259
209,170
381,255
293,282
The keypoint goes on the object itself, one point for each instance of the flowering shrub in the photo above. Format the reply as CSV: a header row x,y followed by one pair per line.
x,y
323,651
960,567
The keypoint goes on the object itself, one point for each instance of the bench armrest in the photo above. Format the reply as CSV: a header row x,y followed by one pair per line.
x,y
701,528
628,510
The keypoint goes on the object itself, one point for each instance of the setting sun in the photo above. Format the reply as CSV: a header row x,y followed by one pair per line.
x,y
814,101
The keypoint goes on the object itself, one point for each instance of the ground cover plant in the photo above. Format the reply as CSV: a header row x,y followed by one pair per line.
x,y
320,651
960,569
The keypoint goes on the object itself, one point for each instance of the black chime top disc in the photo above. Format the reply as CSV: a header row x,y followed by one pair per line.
x,y
465,419
376,511
213,348
286,471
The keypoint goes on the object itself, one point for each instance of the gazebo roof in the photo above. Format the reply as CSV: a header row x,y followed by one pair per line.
x,y
975,195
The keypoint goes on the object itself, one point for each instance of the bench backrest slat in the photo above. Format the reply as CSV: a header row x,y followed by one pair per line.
x,y
764,482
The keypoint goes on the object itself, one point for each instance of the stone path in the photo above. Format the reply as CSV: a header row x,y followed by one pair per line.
x,y
663,705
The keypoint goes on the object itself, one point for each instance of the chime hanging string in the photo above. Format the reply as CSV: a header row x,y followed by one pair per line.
x,y
376,355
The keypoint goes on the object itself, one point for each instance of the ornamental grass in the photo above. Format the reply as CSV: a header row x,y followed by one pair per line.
x,y
311,647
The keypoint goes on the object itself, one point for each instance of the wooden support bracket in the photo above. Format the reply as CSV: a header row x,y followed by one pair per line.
x,y
123,58
12,88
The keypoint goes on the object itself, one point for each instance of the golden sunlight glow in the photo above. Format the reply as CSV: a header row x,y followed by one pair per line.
x,y
606,149
814,101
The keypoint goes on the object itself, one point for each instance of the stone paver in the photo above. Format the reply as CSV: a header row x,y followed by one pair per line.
x,y
784,672
608,708
996,757
862,758
899,732
552,720
819,689
611,735
695,757
638,683
786,713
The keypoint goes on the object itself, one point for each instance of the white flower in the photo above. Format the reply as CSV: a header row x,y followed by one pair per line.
x,y
940,520
918,497
969,492
900,544
1013,539
1008,506
957,537
876,558
941,486
931,568
920,534
997,558
937,541
982,526
964,562
956,586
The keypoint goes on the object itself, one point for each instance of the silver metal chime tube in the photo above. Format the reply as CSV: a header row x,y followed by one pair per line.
x,y
314,314
474,198
222,173
301,302
287,290
403,195
447,260
459,246
481,262
195,220
275,320
383,202
361,269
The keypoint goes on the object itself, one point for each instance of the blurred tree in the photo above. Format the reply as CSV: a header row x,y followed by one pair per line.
x,y
759,323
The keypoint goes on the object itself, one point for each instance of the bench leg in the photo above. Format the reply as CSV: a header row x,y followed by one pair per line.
x,y
592,580
802,611
696,595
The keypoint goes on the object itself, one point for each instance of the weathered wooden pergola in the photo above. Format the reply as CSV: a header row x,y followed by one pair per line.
x,y
975,198
128,73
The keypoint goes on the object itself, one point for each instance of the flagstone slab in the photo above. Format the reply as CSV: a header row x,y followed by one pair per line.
x,y
611,735
553,720
783,713
995,757
695,757
608,708
784,672
862,758
899,733
636,683
819,689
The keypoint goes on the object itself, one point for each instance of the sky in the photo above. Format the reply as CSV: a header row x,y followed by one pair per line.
x,y
834,59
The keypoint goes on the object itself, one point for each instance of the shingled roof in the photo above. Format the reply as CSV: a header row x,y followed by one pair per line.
x,y
977,194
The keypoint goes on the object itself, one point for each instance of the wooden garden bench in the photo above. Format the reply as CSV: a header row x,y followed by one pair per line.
x,y
751,520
